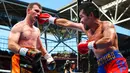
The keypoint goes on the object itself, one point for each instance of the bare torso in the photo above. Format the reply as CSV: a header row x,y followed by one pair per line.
x,y
28,36
101,51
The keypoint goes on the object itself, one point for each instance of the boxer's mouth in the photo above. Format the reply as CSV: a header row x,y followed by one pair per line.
x,y
36,17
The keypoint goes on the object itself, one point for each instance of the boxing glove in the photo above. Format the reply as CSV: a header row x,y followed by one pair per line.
x,y
83,47
32,55
51,64
45,17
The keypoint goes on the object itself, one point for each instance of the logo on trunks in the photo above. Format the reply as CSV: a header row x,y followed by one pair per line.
x,y
106,58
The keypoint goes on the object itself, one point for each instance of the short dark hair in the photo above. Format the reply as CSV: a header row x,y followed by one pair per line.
x,y
30,6
89,7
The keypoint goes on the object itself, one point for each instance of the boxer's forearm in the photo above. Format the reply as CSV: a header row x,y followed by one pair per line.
x,y
14,47
40,47
69,24
62,22
43,50
103,43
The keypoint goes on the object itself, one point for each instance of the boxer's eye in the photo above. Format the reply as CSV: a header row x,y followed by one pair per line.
x,y
37,11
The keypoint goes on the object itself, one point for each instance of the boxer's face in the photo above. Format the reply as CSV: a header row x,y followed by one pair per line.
x,y
34,12
85,19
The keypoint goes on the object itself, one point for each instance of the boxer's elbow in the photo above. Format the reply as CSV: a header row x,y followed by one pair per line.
x,y
108,41
10,45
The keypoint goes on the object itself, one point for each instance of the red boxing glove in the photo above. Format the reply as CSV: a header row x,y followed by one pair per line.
x,y
83,47
45,17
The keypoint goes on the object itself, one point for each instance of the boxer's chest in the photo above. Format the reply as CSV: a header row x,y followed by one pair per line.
x,y
29,34
97,34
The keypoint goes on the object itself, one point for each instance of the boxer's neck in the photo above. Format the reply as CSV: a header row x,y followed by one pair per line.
x,y
28,21
96,24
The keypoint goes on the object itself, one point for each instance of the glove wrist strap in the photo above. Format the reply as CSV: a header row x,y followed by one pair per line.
x,y
92,45
52,20
48,58
23,51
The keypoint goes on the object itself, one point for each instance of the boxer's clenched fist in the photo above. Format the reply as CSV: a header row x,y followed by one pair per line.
x,y
83,47
45,17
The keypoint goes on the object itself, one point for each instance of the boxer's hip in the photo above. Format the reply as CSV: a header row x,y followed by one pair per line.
x,y
112,62
17,65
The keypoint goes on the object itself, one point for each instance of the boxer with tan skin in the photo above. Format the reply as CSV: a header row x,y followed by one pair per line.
x,y
102,38
24,40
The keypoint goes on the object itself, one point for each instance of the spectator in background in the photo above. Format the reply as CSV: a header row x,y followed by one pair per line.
x,y
70,67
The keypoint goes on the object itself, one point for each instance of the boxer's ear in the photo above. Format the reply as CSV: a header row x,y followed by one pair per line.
x,y
28,11
91,15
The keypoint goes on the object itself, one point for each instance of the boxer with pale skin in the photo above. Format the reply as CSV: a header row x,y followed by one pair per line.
x,y
102,38
24,41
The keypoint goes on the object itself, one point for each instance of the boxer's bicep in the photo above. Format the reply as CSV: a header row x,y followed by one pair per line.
x,y
13,40
108,37
14,36
109,33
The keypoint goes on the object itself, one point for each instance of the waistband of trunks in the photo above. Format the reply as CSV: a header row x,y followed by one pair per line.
x,y
109,57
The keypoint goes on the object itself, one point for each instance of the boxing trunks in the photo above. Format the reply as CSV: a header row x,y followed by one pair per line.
x,y
21,64
112,62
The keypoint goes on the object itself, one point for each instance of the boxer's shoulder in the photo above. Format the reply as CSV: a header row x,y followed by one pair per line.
x,y
36,28
107,24
17,26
